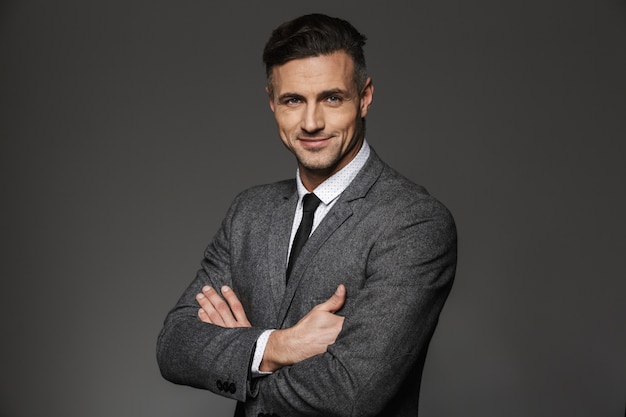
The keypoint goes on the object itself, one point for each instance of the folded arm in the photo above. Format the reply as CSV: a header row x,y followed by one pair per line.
x,y
309,337
202,355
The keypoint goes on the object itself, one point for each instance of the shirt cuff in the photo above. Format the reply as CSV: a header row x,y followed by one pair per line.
x,y
258,353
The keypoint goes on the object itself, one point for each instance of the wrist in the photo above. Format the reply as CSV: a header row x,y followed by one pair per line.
x,y
276,352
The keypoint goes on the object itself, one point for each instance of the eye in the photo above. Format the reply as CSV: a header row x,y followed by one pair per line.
x,y
333,99
292,100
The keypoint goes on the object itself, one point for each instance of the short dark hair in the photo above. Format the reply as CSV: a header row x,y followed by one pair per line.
x,y
315,35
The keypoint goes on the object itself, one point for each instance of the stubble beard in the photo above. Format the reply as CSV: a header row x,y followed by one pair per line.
x,y
324,161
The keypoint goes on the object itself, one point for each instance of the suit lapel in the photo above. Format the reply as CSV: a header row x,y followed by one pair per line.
x,y
278,242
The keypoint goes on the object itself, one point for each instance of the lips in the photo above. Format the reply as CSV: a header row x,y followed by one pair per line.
x,y
313,143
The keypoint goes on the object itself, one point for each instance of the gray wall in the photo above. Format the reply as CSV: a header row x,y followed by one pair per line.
x,y
128,126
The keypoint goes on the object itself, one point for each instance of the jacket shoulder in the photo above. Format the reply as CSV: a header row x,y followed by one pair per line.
x,y
267,192
395,190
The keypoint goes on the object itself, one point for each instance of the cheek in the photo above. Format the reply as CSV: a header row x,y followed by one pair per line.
x,y
285,130
286,121
345,122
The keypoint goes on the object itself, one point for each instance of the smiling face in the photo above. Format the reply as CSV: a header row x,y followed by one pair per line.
x,y
319,113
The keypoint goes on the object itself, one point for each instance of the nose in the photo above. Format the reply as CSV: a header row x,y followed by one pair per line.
x,y
313,118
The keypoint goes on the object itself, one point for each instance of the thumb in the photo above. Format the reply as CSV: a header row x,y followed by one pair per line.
x,y
335,302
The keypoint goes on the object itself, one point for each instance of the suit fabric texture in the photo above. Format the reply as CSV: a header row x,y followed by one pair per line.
x,y
386,239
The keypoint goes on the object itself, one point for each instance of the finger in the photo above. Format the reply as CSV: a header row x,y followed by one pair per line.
x,y
235,306
203,316
335,302
209,315
213,315
221,307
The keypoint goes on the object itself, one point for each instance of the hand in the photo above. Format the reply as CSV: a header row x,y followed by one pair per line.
x,y
309,337
224,312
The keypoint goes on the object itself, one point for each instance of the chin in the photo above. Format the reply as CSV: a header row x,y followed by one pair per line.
x,y
320,163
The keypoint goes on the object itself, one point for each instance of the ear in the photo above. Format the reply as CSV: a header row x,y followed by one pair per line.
x,y
271,99
367,96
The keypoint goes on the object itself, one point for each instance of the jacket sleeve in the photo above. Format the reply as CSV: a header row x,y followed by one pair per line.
x,y
387,330
202,355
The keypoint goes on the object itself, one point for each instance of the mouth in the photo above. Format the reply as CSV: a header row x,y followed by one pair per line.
x,y
313,142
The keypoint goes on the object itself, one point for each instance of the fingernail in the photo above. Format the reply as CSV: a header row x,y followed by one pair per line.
x,y
200,296
225,288
206,288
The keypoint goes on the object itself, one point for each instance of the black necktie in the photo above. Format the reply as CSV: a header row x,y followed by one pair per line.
x,y
309,204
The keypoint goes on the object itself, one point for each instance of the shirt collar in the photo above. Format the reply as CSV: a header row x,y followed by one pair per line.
x,y
334,185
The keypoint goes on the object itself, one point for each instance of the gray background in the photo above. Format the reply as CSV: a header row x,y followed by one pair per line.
x,y
128,126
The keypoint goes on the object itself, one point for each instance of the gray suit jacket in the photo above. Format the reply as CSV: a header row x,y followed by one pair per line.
x,y
391,244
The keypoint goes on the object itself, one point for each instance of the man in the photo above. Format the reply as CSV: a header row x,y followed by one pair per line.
x,y
338,325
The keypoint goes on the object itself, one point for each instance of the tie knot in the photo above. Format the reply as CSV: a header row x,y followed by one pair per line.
x,y
310,202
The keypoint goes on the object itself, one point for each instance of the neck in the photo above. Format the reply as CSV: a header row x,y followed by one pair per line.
x,y
312,178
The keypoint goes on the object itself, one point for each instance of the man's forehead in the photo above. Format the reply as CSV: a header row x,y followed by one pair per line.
x,y
323,72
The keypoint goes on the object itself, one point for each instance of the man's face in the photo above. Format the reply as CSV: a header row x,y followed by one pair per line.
x,y
319,113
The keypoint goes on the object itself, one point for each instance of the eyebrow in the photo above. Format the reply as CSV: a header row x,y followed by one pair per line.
x,y
325,93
